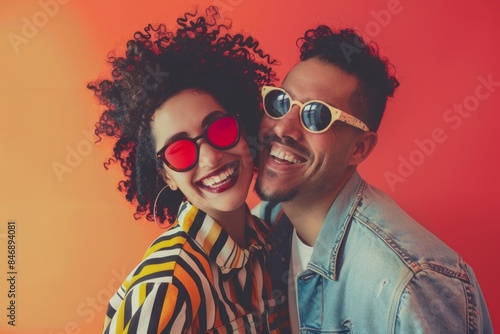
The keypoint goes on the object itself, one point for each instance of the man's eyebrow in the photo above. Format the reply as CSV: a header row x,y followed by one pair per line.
x,y
308,98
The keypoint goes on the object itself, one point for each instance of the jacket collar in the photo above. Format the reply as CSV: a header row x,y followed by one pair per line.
x,y
325,256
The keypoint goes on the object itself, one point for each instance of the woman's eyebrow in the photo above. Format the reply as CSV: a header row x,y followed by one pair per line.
x,y
175,136
210,117
204,123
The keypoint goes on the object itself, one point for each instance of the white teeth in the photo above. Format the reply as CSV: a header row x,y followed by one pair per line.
x,y
283,155
212,180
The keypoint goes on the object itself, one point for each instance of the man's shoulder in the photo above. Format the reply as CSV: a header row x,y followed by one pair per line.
x,y
392,230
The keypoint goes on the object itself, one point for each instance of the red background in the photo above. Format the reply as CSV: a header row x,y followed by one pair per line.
x,y
76,238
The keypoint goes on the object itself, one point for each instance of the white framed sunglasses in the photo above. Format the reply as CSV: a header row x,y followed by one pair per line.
x,y
315,116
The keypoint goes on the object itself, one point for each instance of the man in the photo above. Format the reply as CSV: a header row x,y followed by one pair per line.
x,y
358,263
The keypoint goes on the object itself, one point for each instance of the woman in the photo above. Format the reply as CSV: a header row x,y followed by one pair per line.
x,y
176,106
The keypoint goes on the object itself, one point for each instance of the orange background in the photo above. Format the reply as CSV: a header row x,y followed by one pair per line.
x,y
76,237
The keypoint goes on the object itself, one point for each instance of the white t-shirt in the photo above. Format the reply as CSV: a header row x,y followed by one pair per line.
x,y
301,254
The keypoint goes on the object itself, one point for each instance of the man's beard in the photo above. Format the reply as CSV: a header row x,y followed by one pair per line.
x,y
277,196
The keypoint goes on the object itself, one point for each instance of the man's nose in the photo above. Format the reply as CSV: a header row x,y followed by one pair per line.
x,y
290,125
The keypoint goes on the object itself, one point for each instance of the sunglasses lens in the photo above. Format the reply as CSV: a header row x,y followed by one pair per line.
x,y
277,103
181,154
316,116
223,132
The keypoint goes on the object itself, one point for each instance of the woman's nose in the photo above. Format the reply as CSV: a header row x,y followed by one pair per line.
x,y
209,156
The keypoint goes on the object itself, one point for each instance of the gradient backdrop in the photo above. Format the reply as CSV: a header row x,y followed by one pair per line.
x,y
76,238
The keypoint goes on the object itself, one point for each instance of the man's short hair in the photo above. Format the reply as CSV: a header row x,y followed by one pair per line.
x,y
347,50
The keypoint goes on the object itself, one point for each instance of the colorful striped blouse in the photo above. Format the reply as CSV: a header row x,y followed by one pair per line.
x,y
195,279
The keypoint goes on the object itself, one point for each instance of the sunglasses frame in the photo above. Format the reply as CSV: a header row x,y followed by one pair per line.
x,y
161,153
337,114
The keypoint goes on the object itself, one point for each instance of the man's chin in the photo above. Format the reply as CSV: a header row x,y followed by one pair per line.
x,y
276,195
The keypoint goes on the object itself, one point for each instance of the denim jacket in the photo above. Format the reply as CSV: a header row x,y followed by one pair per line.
x,y
375,270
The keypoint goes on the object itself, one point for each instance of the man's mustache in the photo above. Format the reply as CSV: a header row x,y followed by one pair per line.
x,y
268,139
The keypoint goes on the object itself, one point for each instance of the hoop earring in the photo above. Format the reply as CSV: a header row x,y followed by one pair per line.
x,y
160,225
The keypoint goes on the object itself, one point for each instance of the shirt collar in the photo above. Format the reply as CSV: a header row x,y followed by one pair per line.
x,y
215,242
335,227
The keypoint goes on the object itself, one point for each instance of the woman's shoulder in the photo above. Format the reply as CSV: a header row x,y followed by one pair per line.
x,y
174,237
163,255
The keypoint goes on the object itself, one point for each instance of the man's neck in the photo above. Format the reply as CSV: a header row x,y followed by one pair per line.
x,y
308,214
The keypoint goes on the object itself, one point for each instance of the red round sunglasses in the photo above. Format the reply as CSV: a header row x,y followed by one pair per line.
x,y
181,154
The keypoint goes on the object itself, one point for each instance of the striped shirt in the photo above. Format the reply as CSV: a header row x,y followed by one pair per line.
x,y
195,279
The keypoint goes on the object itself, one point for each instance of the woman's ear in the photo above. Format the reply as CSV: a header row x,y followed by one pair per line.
x,y
364,145
168,180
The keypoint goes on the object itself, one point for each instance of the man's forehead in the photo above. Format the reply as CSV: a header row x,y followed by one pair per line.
x,y
314,79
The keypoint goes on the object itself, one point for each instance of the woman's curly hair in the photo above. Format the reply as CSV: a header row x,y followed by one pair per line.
x,y
158,64
347,50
